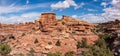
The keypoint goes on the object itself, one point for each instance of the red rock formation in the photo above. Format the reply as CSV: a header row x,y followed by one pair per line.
x,y
68,30
48,19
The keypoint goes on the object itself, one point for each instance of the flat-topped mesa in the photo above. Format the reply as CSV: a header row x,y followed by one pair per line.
x,y
48,18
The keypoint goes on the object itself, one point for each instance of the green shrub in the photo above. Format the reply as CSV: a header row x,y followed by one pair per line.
x,y
63,23
50,54
78,45
101,43
58,43
21,54
31,52
4,49
58,54
50,43
83,44
70,53
54,54
36,41
104,36
23,34
99,49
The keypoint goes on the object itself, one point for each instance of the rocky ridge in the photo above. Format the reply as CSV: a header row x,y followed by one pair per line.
x,y
48,29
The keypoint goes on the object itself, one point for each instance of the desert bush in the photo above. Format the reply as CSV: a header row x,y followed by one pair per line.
x,y
58,43
4,49
63,23
78,45
50,43
54,54
70,53
31,52
36,41
21,54
23,34
82,44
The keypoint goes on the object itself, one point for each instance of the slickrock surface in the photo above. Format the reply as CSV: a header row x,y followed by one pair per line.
x,y
47,28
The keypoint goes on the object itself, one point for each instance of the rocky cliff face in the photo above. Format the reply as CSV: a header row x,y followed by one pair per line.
x,y
112,31
49,22
46,30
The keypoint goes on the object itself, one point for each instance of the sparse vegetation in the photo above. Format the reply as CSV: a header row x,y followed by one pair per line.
x,y
23,34
78,45
82,44
63,23
99,49
58,43
104,36
94,31
36,41
50,43
4,49
54,54
21,54
101,43
31,52
50,54
70,53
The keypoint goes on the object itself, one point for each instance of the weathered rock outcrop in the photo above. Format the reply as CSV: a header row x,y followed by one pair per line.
x,y
49,23
49,29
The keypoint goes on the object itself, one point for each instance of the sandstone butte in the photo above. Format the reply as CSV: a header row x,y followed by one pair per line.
x,y
47,28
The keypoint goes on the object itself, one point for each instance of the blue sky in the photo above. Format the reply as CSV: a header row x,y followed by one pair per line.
x,y
16,11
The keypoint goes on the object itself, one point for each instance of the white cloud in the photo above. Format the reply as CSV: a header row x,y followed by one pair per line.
x,y
90,18
29,15
65,4
92,10
74,16
71,2
93,18
27,1
116,3
109,14
104,4
79,6
12,9
20,19
60,5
